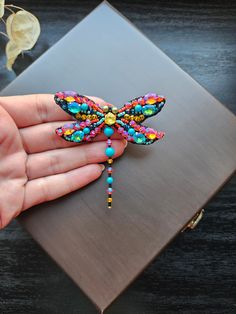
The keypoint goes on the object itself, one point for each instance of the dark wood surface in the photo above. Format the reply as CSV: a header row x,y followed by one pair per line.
x,y
200,270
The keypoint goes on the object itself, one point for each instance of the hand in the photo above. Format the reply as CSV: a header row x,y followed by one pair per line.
x,y
36,165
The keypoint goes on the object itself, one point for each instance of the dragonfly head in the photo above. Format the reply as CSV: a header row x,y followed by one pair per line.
x,y
110,114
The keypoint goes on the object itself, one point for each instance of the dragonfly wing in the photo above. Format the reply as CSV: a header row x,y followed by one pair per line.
x,y
78,106
79,131
140,108
138,134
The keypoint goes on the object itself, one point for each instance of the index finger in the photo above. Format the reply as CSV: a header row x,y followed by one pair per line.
x,y
28,110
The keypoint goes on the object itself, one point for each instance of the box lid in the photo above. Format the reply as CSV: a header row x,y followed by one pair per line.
x,y
158,188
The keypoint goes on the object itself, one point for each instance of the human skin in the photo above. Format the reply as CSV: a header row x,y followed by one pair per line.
x,y
36,165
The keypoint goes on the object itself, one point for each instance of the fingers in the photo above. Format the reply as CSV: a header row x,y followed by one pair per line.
x,y
51,187
42,137
34,109
62,160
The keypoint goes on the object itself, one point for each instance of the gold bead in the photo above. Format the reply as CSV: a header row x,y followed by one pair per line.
x,y
114,109
141,117
132,117
110,118
84,117
110,160
78,116
105,108
109,199
94,116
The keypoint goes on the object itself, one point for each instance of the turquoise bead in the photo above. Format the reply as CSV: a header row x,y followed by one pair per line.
x,y
109,180
131,131
77,136
139,138
108,131
86,130
137,108
74,107
84,107
110,151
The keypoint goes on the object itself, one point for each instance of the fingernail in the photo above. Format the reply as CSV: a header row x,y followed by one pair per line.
x,y
125,142
102,167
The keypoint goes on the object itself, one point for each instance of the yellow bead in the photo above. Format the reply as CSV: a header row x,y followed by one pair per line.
x,y
151,101
94,116
109,199
89,116
84,117
110,160
151,136
127,117
68,132
110,118
114,109
105,108
69,99
78,116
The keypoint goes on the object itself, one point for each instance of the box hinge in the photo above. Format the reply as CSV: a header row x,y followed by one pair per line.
x,y
194,221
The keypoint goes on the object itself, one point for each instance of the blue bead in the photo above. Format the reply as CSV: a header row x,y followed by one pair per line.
x,y
108,131
110,190
109,180
137,108
131,131
74,107
110,151
84,106
77,136
139,138
86,130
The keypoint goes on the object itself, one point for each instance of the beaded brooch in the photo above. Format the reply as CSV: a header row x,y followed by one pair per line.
x,y
93,119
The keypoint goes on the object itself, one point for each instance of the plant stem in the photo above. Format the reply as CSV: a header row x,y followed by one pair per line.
x,y
14,6
6,7
4,34
3,20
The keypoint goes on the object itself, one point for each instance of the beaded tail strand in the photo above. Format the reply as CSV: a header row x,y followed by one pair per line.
x,y
109,152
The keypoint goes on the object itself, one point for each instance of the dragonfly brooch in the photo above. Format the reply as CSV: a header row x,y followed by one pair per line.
x,y
92,119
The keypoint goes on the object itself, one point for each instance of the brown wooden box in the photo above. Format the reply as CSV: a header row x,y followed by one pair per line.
x,y
158,188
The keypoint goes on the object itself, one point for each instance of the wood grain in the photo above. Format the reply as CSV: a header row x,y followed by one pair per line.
x,y
166,282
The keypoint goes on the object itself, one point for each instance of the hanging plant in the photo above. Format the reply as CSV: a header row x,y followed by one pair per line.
x,y
22,31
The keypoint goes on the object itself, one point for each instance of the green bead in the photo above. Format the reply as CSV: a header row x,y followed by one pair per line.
x,y
148,110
